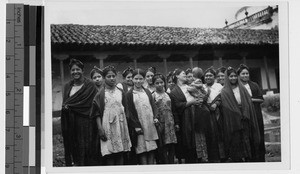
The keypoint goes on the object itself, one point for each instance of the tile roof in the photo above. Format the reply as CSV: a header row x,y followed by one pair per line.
x,y
152,35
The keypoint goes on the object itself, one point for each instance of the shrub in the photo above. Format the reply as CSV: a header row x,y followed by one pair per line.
x,y
272,102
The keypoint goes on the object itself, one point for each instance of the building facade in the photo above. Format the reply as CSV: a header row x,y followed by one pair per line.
x,y
255,18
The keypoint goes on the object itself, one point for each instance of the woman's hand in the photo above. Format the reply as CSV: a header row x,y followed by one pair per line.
x,y
194,101
200,101
156,122
65,107
177,128
139,131
213,107
102,135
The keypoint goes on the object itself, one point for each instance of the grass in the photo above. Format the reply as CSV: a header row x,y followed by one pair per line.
x,y
58,151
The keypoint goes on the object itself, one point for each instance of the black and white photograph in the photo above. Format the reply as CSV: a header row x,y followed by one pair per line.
x,y
165,83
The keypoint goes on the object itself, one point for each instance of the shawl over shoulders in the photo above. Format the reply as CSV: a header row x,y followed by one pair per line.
x,y
99,103
256,91
78,130
81,101
234,114
178,102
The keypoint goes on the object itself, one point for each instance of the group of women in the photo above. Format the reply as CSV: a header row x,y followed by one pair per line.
x,y
190,116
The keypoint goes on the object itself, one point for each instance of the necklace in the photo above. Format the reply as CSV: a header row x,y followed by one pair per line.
x,y
138,89
110,90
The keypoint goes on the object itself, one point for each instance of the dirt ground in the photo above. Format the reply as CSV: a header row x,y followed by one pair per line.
x,y
272,152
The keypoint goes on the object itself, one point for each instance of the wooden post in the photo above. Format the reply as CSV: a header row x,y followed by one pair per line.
x,y
164,57
101,63
135,63
244,57
101,58
244,61
62,75
135,57
191,62
61,59
165,65
220,61
267,72
219,54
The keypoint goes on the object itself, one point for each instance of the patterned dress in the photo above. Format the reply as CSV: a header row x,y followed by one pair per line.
x,y
165,118
114,124
145,142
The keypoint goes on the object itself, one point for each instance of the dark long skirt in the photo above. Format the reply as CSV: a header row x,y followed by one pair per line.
x,y
213,140
240,146
202,125
260,121
81,143
214,136
186,145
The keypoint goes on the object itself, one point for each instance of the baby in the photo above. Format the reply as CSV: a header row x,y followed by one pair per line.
x,y
196,88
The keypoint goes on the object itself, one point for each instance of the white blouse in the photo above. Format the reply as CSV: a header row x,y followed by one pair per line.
x,y
215,90
75,89
237,95
247,86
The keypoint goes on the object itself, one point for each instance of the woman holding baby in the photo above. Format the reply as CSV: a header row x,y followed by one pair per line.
x,y
182,102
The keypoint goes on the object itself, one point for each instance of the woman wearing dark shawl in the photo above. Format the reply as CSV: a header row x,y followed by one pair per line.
x,y
78,130
215,146
202,114
241,132
184,118
257,98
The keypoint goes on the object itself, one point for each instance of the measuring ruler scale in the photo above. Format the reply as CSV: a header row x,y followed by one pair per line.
x,y
14,88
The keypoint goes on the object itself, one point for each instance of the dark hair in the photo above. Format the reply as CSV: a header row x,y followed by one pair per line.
x,y
211,70
151,69
138,71
197,72
170,76
76,62
159,76
241,68
107,69
176,73
189,70
230,70
96,70
221,69
127,71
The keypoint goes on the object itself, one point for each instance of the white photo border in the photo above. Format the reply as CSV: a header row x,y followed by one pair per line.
x,y
207,168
